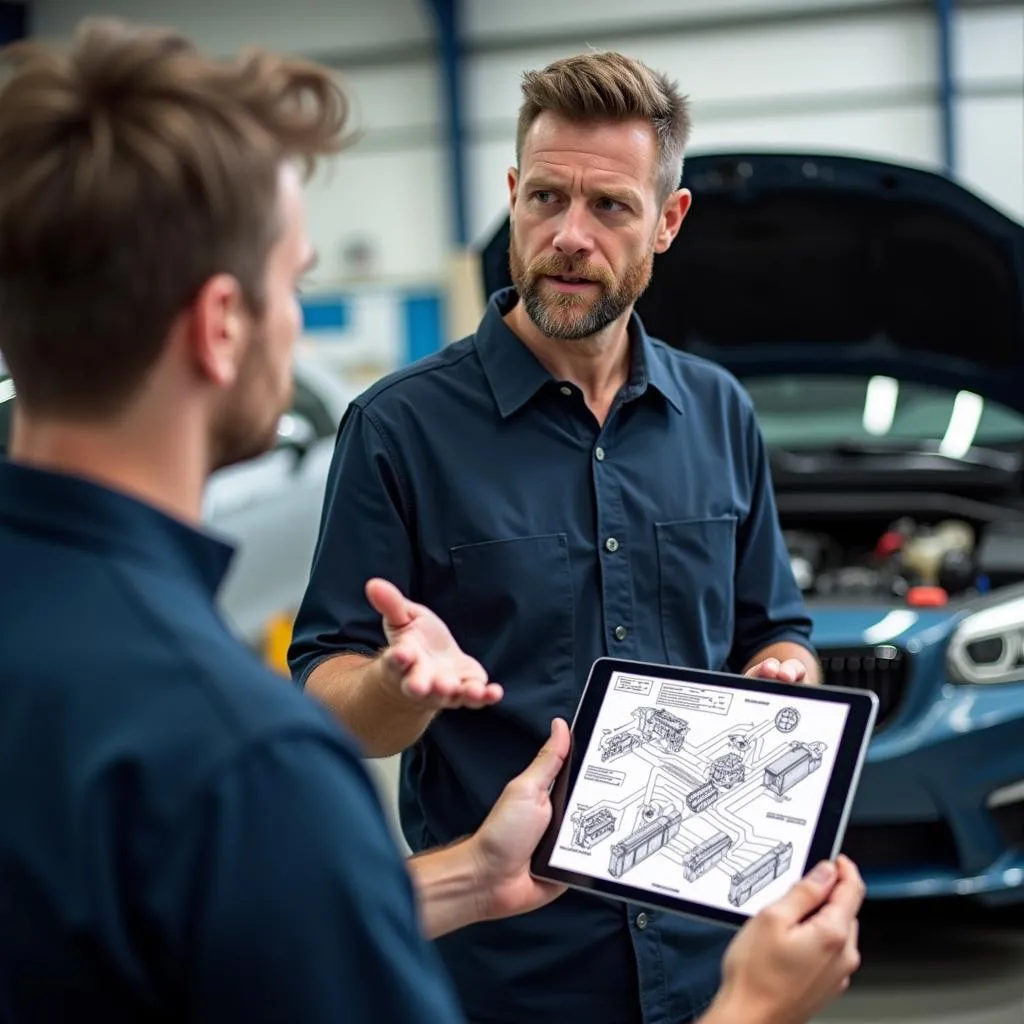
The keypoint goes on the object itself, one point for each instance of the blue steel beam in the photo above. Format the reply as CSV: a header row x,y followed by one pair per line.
x,y
449,37
947,83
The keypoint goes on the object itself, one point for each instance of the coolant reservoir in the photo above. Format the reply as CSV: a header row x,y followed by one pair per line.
x,y
924,550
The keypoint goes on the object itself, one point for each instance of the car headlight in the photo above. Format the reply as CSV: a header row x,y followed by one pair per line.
x,y
988,645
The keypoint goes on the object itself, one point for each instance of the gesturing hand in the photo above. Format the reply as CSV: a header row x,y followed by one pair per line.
x,y
792,670
422,659
508,836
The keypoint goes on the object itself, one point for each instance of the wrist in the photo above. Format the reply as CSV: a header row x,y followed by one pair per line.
x,y
484,876
730,1008
447,886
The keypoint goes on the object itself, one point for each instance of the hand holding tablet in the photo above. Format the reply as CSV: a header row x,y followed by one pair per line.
x,y
702,793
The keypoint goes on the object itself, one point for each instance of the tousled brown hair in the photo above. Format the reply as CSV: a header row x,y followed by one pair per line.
x,y
132,169
608,86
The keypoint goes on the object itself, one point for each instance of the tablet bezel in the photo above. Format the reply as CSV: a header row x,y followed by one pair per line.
x,y
835,809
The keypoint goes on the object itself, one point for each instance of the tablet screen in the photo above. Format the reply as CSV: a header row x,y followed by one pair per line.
x,y
707,793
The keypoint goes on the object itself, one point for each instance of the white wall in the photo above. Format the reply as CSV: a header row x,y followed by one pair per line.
x,y
850,75
224,25
391,189
989,61
834,78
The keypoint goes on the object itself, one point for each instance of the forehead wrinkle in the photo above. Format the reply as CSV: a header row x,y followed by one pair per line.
x,y
591,180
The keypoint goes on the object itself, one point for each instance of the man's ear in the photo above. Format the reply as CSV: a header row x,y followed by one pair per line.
x,y
218,334
513,189
673,213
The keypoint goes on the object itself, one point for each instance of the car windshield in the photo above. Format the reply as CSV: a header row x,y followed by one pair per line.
x,y
815,412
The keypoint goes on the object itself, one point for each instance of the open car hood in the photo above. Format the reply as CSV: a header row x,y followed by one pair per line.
x,y
811,263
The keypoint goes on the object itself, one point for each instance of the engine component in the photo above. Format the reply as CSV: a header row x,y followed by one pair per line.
x,y
956,572
924,550
920,563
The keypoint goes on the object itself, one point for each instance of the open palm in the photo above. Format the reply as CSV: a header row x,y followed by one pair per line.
x,y
423,657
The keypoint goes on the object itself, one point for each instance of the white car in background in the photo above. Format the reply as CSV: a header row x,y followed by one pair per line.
x,y
269,507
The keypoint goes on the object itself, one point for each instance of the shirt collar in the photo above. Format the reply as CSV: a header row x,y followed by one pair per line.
x,y
515,374
111,522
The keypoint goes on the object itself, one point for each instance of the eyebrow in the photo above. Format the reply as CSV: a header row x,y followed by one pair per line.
x,y
619,194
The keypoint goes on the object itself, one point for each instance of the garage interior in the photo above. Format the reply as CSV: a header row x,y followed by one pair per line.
x,y
404,225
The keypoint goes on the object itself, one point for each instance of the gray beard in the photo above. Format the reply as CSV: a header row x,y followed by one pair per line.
x,y
545,315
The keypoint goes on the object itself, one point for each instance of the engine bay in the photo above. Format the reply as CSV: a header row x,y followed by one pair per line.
x,y
921,558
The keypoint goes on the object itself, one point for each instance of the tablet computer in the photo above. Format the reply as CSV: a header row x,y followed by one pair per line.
x,y
702,793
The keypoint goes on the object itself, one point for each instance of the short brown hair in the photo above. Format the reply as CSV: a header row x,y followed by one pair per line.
x,y
595,87
132,169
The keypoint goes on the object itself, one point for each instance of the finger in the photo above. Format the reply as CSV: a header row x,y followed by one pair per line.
x,y
768,669
401,657
788,672
851,955
848,895
477,693
422,681
550,758
792,670
389,602
807,895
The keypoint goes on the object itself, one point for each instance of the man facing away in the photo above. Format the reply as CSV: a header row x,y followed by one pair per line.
x,y
556,488
185,837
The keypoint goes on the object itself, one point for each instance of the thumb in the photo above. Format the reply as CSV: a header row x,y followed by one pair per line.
x,y
389,602
809,893
550,758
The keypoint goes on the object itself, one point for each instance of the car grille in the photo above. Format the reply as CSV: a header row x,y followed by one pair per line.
x,y
883,670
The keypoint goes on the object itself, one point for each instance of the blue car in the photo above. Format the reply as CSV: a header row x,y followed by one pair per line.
x,y
875,314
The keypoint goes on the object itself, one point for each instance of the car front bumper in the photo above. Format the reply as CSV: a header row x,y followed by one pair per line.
x,y
940,806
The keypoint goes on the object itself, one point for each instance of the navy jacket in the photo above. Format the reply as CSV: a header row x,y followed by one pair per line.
x,y
485,489
184,837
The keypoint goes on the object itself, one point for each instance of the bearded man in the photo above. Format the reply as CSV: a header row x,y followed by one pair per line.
x,y
556,488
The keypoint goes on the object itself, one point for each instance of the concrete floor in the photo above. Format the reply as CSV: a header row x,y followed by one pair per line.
x,y
923,963
940,963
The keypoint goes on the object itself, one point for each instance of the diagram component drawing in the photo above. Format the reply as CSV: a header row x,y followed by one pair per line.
x,y
659,724
789,768
592,827
787,719
762,872
703,857
618,743
728,771
702,797
647,839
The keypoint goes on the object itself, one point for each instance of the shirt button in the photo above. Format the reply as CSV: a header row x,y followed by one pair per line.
x,y
565,390
611,544
599,454
641,920
621,632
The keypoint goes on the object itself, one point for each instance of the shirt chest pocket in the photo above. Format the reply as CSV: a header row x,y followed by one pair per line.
x,y
515,607
696,590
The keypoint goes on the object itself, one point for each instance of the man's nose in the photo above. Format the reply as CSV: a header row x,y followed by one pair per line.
x,y
573,237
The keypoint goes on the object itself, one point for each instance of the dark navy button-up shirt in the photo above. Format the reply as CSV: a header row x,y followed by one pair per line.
x,y
486,489
184,836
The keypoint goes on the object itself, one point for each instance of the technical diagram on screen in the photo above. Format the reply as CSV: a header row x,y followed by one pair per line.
x,y
703,792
